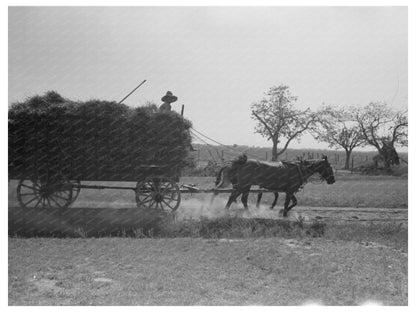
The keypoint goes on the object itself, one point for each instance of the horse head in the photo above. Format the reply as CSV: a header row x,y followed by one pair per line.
x,y
324,169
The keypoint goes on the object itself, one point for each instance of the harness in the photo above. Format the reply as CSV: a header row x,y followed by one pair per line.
x,y
301,176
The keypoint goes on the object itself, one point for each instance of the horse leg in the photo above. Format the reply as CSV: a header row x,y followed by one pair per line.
x,y
259,196
215,194
286,205
294,202
276,196
244,198
233,198
287,201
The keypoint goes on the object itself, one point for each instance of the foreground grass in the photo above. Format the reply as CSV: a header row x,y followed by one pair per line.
x,y
243,262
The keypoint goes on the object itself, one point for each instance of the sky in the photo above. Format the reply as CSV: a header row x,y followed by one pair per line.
x,y
216,60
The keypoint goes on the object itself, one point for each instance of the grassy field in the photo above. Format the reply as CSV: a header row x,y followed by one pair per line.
x,y
196,271
219,261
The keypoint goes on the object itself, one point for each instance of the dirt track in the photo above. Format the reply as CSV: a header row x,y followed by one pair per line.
x,y
336,214
351,214
194,208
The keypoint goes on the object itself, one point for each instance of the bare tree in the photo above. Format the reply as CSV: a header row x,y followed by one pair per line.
x,y
278,120
383,128
337,127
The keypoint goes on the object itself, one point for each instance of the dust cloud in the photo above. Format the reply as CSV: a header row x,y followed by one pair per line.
x,y
205,207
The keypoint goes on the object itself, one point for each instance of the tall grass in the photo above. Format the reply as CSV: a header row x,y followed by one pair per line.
x,y
390,234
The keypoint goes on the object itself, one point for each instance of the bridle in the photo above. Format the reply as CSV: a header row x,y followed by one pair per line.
x,y
307,170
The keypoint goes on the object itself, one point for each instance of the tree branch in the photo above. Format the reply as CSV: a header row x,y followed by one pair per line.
x,y
294,136
271,134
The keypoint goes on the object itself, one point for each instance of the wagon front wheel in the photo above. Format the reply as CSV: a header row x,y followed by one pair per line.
x,y
34,193
160,193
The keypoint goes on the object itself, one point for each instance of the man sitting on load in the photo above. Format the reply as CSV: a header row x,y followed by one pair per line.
x,y
167,100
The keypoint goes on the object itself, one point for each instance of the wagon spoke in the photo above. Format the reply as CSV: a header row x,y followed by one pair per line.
x,y
38,202
151,204
147,200
156,186
30,187
36,197
147,196
172,197
167,190
27,194
168,204
55,202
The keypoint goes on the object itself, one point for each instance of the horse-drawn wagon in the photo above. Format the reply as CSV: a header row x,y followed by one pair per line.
x,y
56,145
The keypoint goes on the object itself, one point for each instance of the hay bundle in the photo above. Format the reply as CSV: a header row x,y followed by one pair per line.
x,y
93,140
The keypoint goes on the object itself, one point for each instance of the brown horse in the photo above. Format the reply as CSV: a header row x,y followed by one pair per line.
x,y
284,177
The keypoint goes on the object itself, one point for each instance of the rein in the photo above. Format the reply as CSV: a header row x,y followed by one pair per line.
x,y
303,181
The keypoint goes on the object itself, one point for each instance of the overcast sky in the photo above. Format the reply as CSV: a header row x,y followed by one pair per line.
x,y
217,60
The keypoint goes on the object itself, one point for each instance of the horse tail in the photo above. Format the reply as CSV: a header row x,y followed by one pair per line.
x,y
223,178
227,175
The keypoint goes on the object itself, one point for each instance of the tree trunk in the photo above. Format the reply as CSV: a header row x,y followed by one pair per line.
x,y
274,151
347,159
386,160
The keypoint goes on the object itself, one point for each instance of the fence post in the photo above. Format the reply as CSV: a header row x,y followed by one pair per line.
x,y
352,163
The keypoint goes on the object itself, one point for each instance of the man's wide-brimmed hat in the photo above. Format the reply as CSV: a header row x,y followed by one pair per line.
x,y
169,97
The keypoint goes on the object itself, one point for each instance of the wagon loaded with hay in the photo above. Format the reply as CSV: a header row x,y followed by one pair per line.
x,y
55,144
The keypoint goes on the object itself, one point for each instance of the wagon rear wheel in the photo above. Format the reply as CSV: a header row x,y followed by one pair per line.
x,y
158,192
76,188
34,193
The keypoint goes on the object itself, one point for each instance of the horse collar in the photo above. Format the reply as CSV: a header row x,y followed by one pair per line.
x,y
302,180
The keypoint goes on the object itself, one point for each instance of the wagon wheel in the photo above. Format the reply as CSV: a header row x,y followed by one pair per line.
x,y
34,193
158,192
76,188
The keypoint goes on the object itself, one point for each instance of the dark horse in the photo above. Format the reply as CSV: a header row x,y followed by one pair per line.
x,y
284,177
